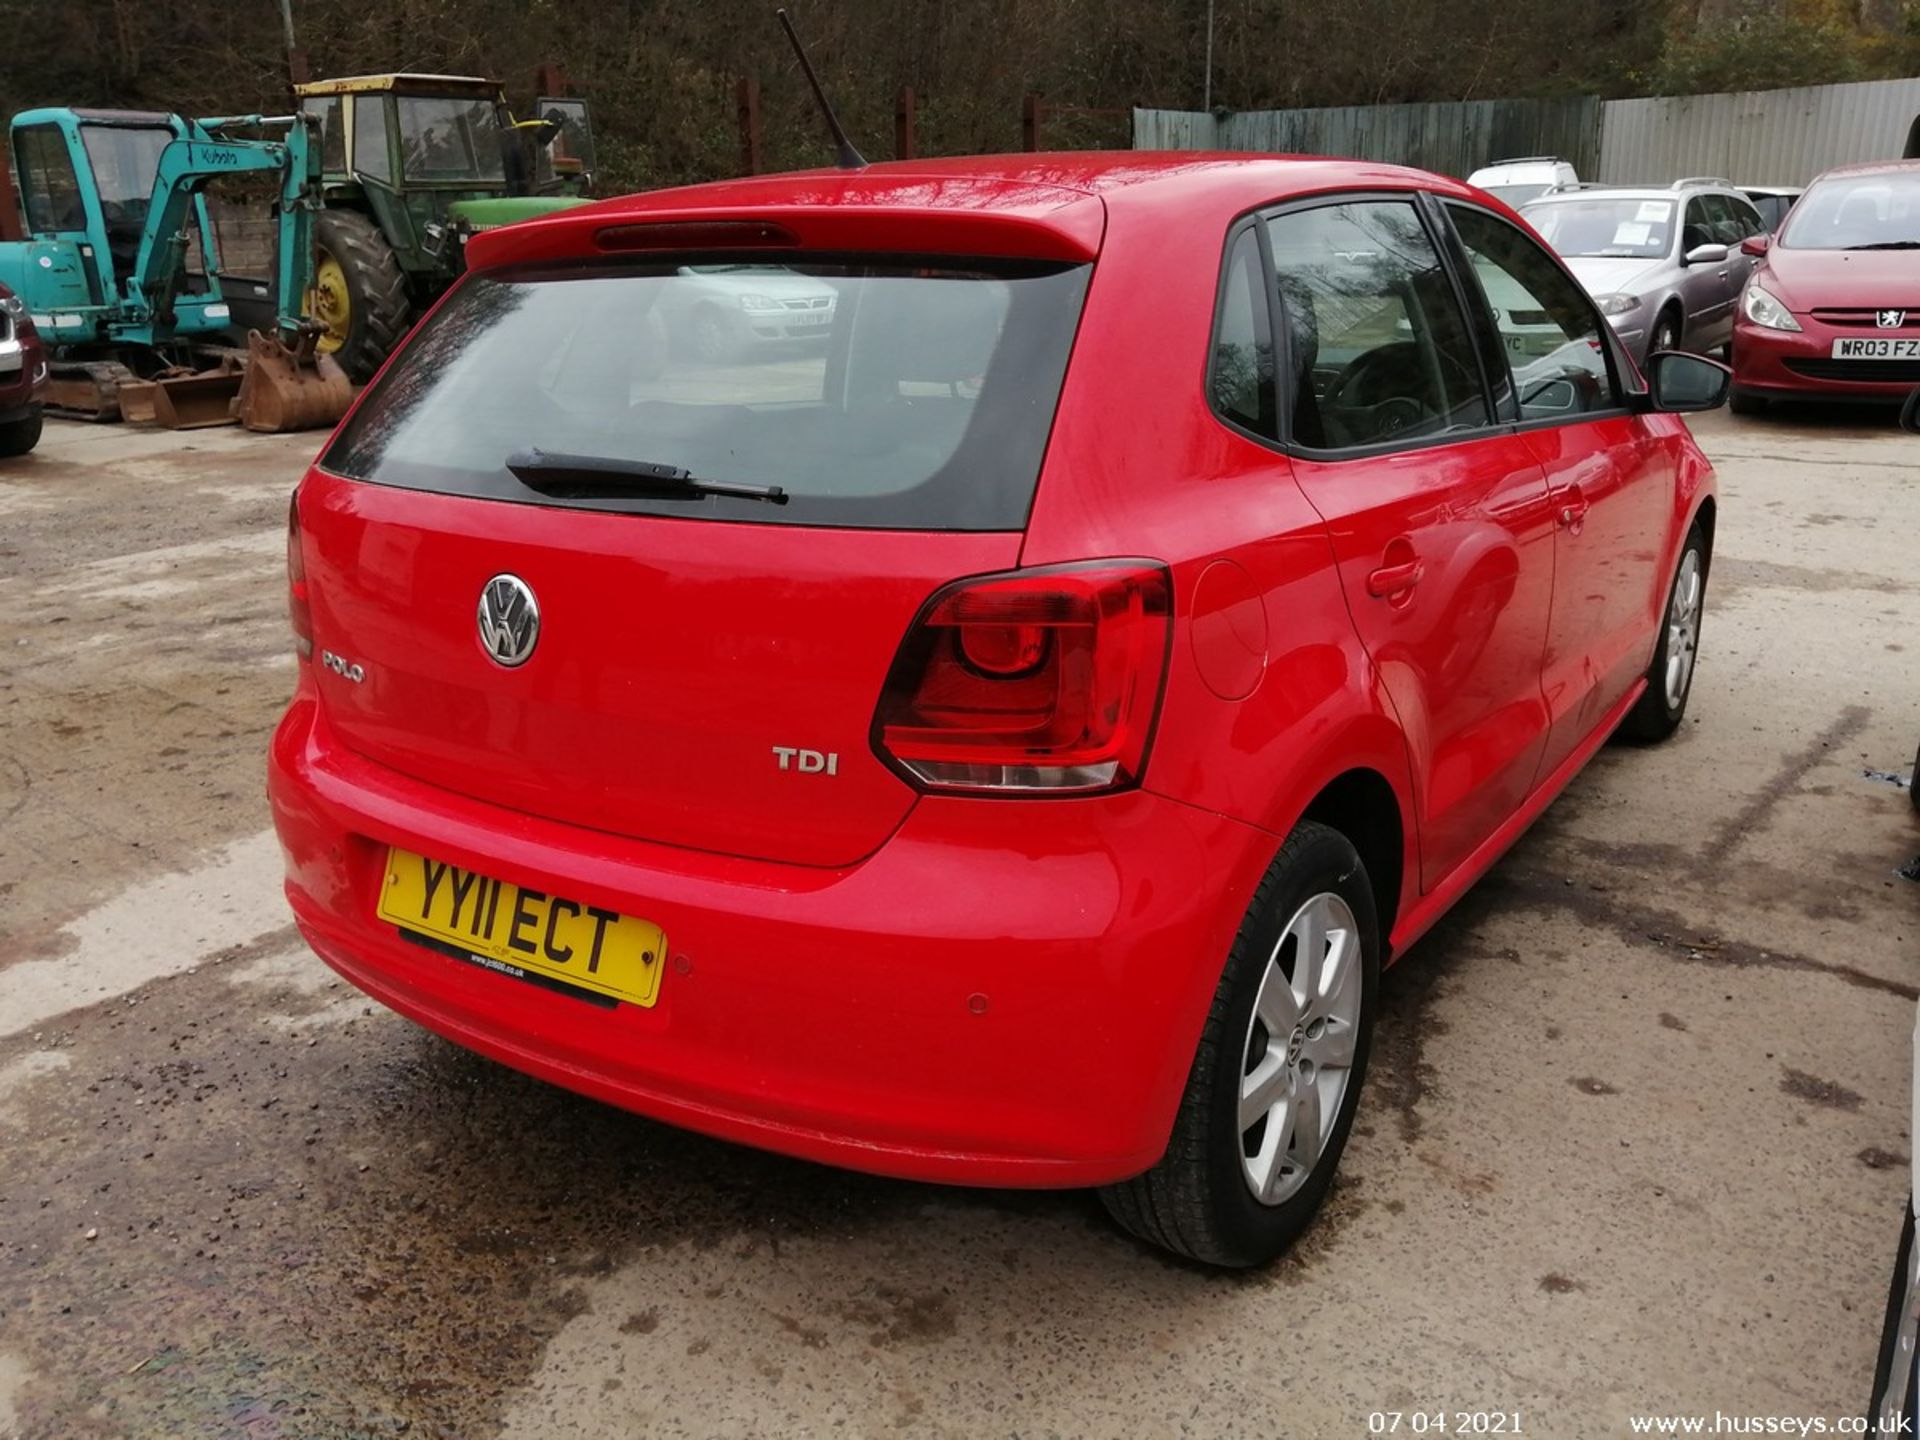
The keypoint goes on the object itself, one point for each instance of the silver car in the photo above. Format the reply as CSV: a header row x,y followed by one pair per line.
x,y
1664,265
720,312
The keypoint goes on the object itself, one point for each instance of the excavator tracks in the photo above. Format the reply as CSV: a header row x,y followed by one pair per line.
x,y
86,389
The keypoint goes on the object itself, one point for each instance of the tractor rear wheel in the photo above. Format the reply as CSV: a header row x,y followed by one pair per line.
x,y
359,293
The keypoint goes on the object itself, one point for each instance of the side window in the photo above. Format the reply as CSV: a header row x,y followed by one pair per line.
x,y
47,182
1697,228
1547,325
333,139
1723,221
1377,349
370,155
1240,366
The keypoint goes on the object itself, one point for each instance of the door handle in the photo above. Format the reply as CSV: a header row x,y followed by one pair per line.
x,y
1393,580
1571,510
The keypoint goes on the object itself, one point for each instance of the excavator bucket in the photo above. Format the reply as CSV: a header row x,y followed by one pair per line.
x,y
137,401
290,387
196,401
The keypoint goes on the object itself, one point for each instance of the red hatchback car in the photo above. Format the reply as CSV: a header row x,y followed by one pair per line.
x,y
1001,739
1833,310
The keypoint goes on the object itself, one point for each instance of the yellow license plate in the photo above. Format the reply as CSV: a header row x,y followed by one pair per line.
x,y
524,932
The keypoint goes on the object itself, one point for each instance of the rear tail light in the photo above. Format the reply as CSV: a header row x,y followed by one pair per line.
x,y
298,613
1036,680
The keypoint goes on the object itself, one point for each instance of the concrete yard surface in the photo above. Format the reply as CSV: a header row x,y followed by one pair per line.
x,y
1635,1140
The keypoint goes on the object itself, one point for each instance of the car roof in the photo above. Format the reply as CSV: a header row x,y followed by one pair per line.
x,y
1053,205
1635,192
1871,167
1106,172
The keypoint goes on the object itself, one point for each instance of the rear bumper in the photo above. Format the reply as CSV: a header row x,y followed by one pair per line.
x,y
1006,993
1790,365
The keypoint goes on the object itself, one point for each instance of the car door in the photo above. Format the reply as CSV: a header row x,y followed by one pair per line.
x,y
1610,486
1703,284
1438,513
1743,221
1728,227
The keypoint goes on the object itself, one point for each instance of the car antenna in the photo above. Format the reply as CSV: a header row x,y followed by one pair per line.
x,y
846,157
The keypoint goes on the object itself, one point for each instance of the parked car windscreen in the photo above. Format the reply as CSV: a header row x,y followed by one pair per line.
x,y
884,395
1613,226
1857,212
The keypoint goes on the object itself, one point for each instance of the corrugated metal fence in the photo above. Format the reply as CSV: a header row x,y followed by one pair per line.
x,y
1758,137
1780,137
1451,137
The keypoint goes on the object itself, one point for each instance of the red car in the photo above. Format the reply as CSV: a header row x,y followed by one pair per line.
x,y
23,376
1002,743
1832,312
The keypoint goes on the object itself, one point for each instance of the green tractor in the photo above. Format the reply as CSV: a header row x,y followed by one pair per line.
x,y
411,165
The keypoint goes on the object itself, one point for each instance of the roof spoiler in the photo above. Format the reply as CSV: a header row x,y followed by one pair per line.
x,y
904,215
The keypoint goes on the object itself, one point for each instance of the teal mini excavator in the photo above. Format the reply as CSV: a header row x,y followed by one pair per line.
x,y
108,243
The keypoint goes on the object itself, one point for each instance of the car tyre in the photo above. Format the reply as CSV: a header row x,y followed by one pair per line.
x,y
1745,402
1663,705
1279,1047
17,437
1666,334
709,336
378,311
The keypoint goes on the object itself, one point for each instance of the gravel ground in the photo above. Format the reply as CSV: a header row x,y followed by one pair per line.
x,y
1636,1138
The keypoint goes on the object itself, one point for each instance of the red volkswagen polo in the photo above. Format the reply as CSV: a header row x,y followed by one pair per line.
x,y
1833,310
1000,738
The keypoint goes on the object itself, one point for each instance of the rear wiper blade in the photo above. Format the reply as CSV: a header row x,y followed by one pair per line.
x,y
1888,245
576,477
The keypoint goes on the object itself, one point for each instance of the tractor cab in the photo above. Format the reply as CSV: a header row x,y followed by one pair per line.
x,y
411,166
432,156
87,180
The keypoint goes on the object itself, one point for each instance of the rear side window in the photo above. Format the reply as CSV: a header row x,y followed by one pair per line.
x,y
1240,373
1378,350
874,395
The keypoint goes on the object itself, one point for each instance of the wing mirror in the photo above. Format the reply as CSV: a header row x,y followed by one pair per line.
x,y
1679,383
1705,255
1755,245
1910,414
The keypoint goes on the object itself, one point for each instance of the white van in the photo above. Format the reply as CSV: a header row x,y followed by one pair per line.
x,y
1518,181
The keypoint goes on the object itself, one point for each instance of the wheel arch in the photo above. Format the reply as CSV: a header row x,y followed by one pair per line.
x,y
1704,515
1363,806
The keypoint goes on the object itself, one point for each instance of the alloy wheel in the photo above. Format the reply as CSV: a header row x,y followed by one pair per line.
x,y
1683,629
1299,1049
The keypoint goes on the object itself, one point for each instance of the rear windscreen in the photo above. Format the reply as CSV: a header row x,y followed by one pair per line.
x,y
878,395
